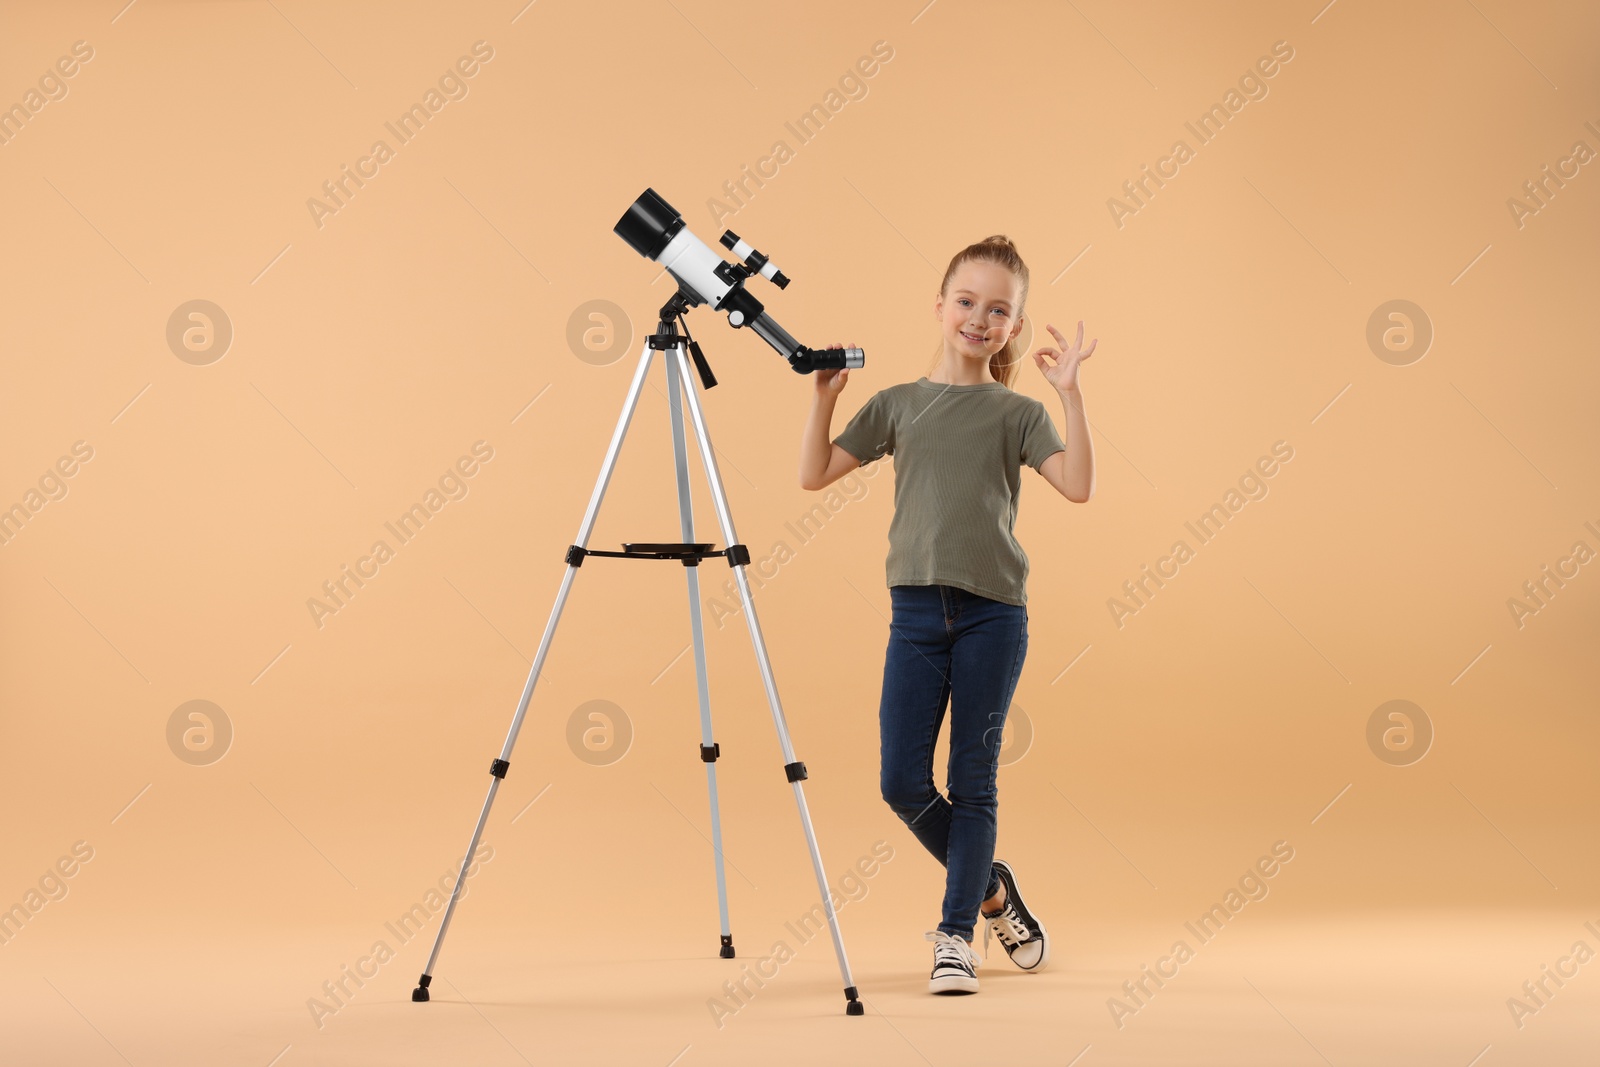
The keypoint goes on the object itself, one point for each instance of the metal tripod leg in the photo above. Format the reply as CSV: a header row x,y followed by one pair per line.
x,y
709,750
794,770
498,768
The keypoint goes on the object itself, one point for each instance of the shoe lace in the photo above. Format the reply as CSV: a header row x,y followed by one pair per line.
x,y
1007,926
956,949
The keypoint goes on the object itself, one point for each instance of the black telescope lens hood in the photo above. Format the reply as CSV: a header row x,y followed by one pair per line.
x,y
649,225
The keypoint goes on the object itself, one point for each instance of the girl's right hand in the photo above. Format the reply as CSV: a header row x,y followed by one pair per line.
x,y
831,382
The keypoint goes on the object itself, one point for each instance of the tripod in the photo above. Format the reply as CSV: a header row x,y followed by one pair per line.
x,y
690,553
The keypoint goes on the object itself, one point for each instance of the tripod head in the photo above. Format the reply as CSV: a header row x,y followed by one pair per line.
x,y
655,230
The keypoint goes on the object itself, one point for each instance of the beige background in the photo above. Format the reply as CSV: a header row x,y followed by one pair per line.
x,y
435,310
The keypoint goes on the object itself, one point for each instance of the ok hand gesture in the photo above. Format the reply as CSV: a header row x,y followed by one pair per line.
x,y
1063,372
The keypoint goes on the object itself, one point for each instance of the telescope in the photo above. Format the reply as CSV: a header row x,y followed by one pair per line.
x,y
658,233
655,230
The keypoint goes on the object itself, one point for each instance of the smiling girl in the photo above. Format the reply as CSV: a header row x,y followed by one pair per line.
x,y
957,578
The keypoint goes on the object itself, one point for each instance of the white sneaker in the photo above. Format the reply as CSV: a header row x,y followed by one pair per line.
x,y
954,964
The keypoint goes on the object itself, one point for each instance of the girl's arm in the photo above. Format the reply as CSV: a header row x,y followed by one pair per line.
x,y
821,461
1072,472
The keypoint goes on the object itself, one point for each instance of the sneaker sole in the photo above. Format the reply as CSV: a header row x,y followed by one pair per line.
x,y
953,983
1009,877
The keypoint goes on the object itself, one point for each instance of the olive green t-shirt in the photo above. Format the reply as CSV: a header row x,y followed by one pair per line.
x,y
958,454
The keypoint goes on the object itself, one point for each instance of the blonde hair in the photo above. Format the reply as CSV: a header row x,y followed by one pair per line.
x,y
999,249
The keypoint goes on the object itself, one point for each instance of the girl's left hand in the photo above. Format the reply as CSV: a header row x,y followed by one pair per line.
x,y
1064,373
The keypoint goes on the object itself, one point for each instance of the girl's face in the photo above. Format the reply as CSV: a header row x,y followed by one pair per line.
x,y
979,313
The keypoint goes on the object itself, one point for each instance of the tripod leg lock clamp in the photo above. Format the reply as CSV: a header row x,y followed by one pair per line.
x,y
795,771
498,768
709,753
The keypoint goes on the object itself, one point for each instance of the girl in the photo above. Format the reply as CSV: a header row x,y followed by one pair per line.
x,y
957,575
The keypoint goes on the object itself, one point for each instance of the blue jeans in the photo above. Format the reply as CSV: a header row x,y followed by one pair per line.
x,y
949,645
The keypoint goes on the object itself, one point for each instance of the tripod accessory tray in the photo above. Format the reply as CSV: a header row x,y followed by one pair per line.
x,y
691,553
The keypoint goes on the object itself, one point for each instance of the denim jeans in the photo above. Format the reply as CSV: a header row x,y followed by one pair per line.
x,y
949,645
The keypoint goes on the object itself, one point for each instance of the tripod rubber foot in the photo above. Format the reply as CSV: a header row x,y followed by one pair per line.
x,y
419,995
727,947
852,1005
